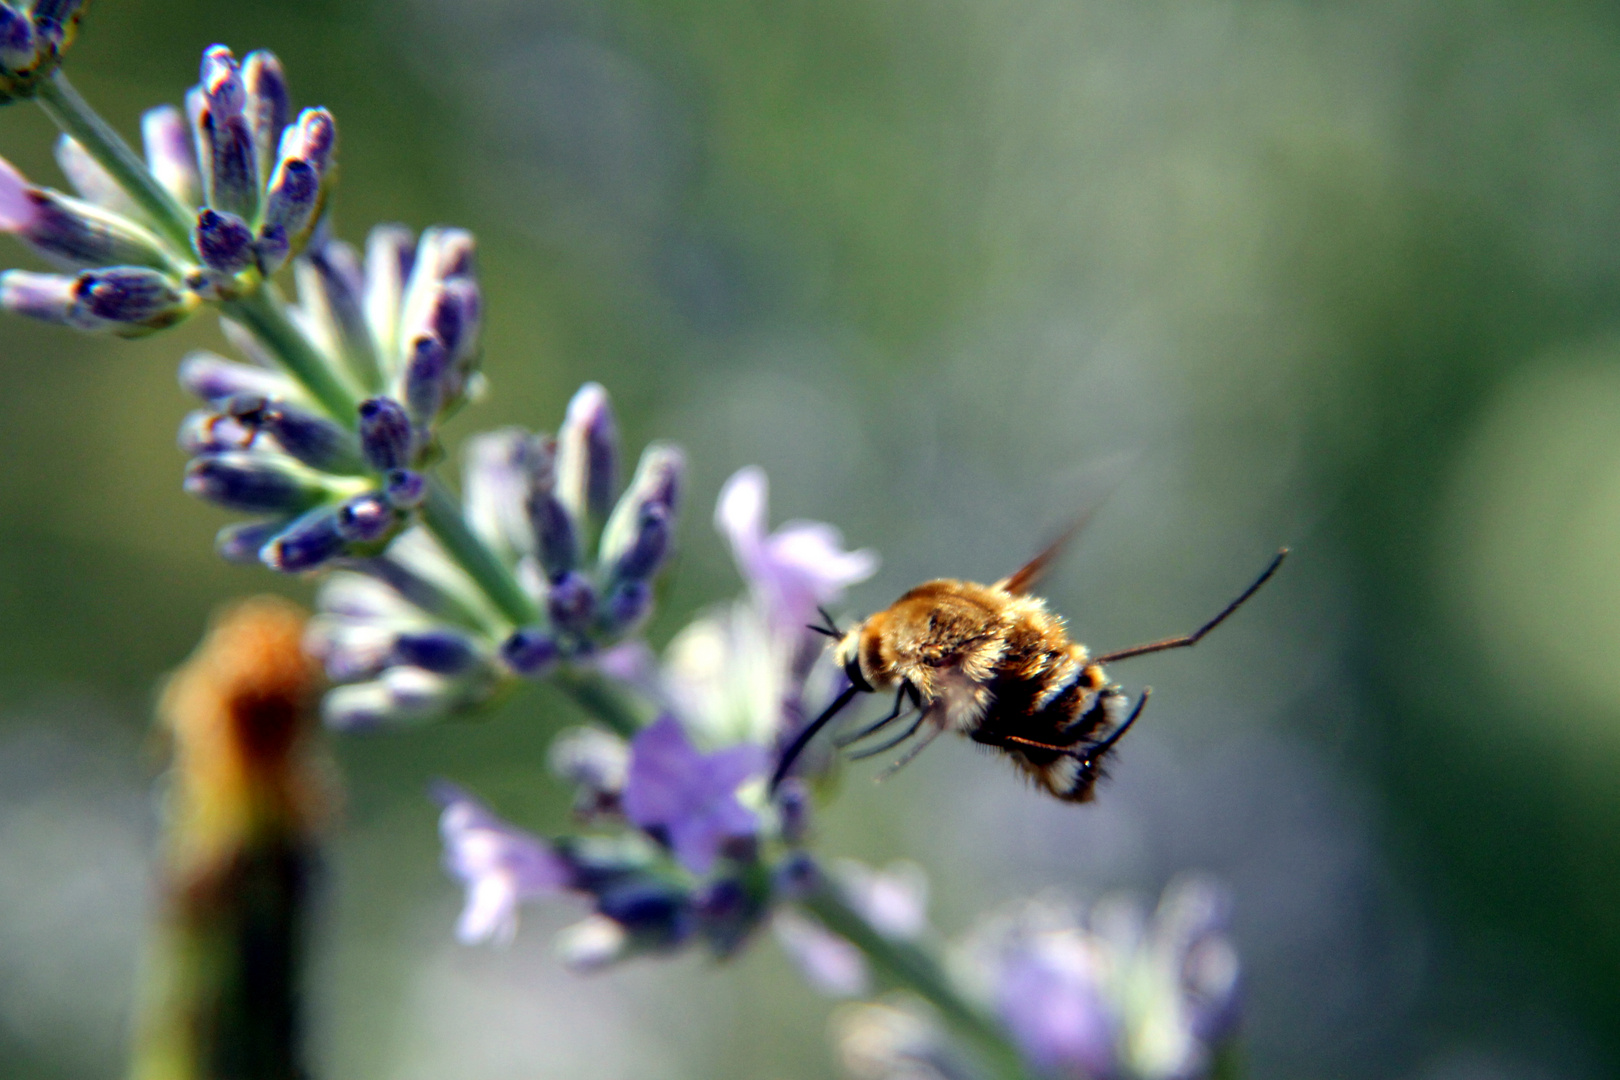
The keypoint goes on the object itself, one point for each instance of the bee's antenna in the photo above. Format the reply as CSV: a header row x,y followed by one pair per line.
x,y
829,626
1097,750
1186,640
800,741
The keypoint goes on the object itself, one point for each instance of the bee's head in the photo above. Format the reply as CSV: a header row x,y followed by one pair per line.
x,y
847,655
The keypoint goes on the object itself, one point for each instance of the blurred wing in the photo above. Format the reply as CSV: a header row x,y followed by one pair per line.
x,y
1024,578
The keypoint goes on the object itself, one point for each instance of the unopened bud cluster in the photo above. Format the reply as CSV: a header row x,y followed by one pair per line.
x,y
33,37
409,635
401,326
247,181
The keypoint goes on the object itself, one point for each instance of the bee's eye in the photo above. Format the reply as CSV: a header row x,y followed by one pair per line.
x,y
852,668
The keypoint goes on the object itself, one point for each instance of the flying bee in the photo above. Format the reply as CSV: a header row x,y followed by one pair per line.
x,y
992,663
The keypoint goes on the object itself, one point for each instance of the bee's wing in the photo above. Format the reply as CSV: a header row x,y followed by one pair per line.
x,y
1024,578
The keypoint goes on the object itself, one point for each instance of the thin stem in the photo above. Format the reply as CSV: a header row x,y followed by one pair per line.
x,y
74,115
599,697
908,966
443,518
264,314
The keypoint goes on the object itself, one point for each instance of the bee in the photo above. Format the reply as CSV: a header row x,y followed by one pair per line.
x,y
993,663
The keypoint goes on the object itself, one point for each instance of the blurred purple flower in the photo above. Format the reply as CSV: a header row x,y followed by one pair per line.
x,y
829,963
794,569
17,209
1049,995
500,865
686,797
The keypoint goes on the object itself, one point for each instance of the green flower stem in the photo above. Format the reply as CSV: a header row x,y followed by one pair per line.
x,y
74,115
442,515
607,703
262,312
905,965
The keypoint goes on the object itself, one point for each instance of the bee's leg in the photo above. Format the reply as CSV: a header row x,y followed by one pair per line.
x,y
874,728
1097,749
910,755
892,743
1186,640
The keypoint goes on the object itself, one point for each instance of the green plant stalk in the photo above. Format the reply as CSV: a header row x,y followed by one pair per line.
x,y
442,516
262,312
615,710
73,114
905,965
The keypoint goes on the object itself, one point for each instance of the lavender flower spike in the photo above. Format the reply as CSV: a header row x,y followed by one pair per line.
x,y
686,797
500,865
794,569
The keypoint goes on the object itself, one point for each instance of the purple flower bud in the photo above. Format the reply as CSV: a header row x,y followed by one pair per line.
x,y
313,138
223,241
52,17
385,434
627,606
214,378
587,454
169,153
50,297
76,231
272,248
793,805
657,483
267,107
17,208
221,81
570,603
647,550
311,438
242,542
454,319
441,650
290,201
426,370
129,295
727,913
232,180
530,651
308,543
555,532
365,519
441,254
253,483
405,488
212,433
657,914
16,39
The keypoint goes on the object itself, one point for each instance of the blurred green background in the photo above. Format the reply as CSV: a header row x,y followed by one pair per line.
x,y
1343,276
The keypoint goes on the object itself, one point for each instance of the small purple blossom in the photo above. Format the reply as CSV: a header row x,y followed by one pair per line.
x,y
1049,994
500,865
17,209
686,797
829,963
799,566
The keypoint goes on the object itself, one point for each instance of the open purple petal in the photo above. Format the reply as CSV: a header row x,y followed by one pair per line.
x,y
688,797
500,865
